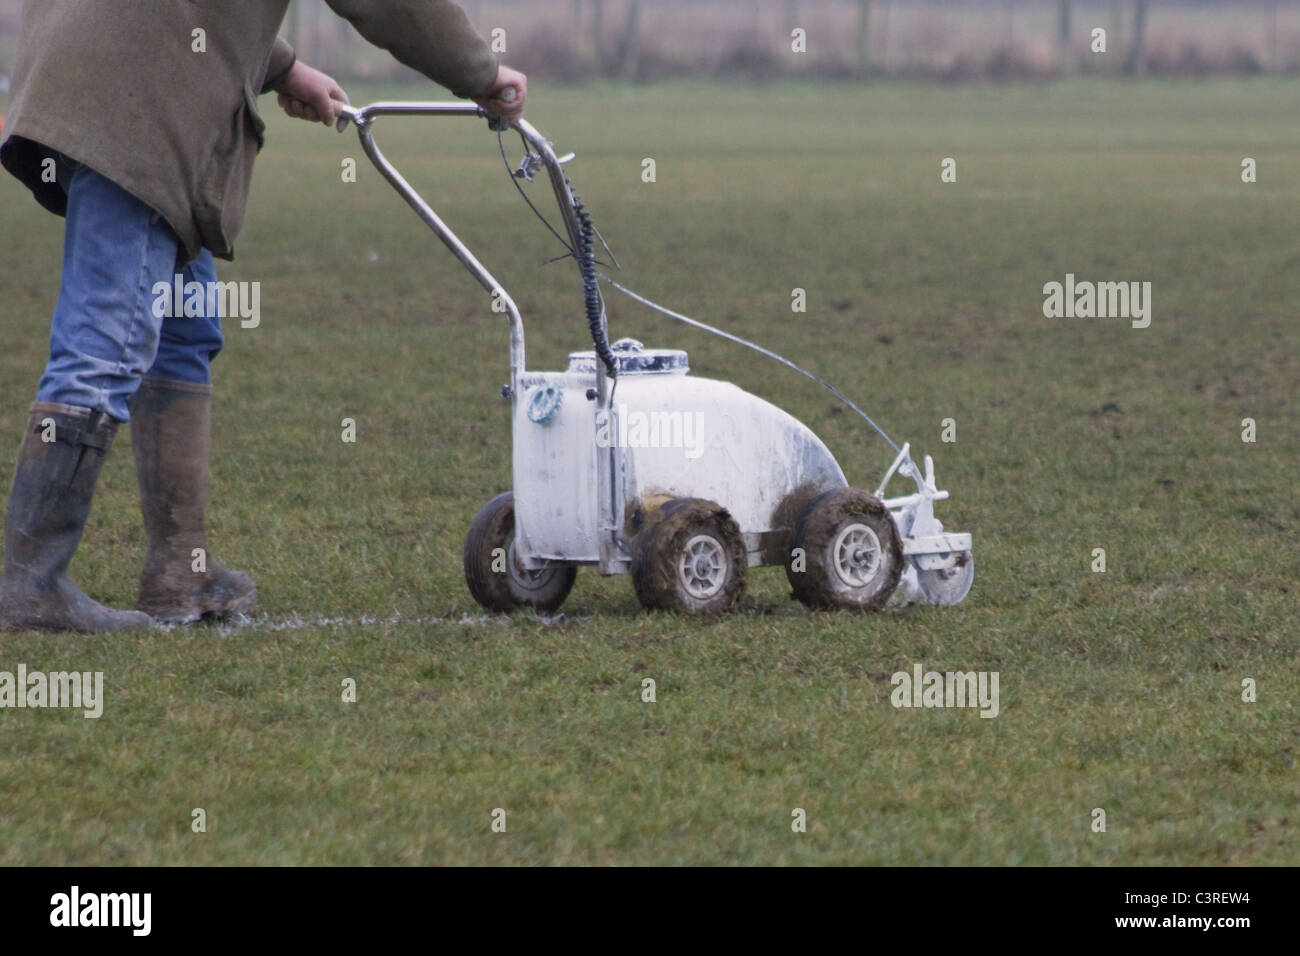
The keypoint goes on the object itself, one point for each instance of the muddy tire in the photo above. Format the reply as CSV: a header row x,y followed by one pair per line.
x,y
495,578
691,558
845,552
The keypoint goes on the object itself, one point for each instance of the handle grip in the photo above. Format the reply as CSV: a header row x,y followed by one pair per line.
x,y
347,114
499,124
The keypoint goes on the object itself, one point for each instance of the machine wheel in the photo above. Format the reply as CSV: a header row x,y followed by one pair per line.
x,y
948,586
494,576
691,559
845,552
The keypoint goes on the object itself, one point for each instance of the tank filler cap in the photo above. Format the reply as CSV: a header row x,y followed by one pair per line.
x,y
633,358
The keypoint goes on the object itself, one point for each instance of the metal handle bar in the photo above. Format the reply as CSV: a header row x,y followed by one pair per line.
x,y
364,117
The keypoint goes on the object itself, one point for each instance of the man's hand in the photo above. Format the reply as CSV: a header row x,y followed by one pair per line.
x,y
493,102
309,94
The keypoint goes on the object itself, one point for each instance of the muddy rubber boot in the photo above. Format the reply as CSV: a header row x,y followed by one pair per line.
x,y
170,436
58,464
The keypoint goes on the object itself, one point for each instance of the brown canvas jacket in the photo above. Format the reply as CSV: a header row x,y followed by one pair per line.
x,y
128,88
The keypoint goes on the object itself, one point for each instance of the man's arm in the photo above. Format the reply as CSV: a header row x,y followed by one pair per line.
x,y
282,60
432,36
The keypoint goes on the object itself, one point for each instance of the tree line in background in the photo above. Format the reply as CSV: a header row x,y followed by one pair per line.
x,y
953,40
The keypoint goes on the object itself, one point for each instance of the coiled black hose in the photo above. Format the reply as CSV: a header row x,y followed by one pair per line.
x,y
591,284
585,255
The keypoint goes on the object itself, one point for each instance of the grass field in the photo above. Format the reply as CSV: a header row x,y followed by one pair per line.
x,y
1119,690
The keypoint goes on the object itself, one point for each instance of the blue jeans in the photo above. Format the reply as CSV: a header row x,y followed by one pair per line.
x,y
106,332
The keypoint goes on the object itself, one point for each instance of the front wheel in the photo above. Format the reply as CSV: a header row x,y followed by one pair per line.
x,y
492,569
690,559
845,552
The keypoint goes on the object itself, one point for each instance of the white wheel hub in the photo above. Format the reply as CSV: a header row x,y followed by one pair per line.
x,y
527,579
702,570
856,555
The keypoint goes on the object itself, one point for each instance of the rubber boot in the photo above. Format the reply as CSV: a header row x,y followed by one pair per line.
x,y
170,436
59,460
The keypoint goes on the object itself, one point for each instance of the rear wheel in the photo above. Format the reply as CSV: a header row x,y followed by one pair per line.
x,y
845,552
691,559
493,572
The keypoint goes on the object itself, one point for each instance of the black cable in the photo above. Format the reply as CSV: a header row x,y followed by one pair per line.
x,y
536,212
595,305
757,348
585,256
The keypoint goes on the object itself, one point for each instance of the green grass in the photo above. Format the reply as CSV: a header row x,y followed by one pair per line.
x,y
1119,690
